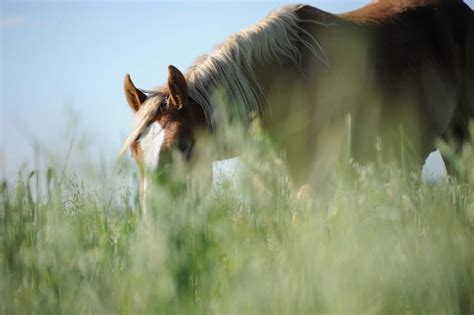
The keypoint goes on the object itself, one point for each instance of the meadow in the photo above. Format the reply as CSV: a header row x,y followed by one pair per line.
x,y
382,241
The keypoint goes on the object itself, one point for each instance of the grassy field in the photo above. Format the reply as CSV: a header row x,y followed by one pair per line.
x,y
382,242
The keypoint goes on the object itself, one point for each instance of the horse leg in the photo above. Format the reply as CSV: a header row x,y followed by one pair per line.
x,y
455,138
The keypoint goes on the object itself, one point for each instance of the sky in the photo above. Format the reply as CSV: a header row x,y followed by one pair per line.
x,y
63,64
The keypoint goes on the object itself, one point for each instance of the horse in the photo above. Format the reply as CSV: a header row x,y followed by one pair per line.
x,y
394,74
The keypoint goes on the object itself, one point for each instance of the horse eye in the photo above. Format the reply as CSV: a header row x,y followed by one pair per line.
x,y
184,145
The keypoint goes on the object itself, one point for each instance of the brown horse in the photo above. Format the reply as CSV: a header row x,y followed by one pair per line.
x,y
398,74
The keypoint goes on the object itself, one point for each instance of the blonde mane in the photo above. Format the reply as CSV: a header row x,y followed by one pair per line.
x,y
226,76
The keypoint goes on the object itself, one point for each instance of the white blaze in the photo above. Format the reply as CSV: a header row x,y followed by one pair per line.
x,y
150,142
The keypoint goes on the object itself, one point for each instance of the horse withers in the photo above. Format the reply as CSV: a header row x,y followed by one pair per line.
x,y
400,72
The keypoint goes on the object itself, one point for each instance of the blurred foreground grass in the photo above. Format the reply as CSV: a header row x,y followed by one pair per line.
x,y
383,242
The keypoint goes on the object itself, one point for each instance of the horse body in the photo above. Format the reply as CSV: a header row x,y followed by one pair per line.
x,y
399,73
398,68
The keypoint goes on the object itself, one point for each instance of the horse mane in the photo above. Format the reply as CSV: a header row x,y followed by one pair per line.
x,y
226,76
229,69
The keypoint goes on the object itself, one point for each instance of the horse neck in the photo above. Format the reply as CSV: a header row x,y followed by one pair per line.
x,y
237,120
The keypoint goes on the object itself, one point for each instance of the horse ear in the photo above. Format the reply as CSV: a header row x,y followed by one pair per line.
x,y
177,86
134,96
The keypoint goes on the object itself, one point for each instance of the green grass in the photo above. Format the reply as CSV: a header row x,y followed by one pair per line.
x,y
381,242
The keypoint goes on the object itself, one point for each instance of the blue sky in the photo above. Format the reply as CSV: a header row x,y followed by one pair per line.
x,y
58,57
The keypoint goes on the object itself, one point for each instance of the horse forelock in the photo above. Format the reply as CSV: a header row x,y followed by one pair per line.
x,y
142,118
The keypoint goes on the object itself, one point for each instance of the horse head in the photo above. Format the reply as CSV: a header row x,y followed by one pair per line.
x,y
166,126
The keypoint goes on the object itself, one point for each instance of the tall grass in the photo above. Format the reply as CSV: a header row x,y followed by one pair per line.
x,y
382,242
